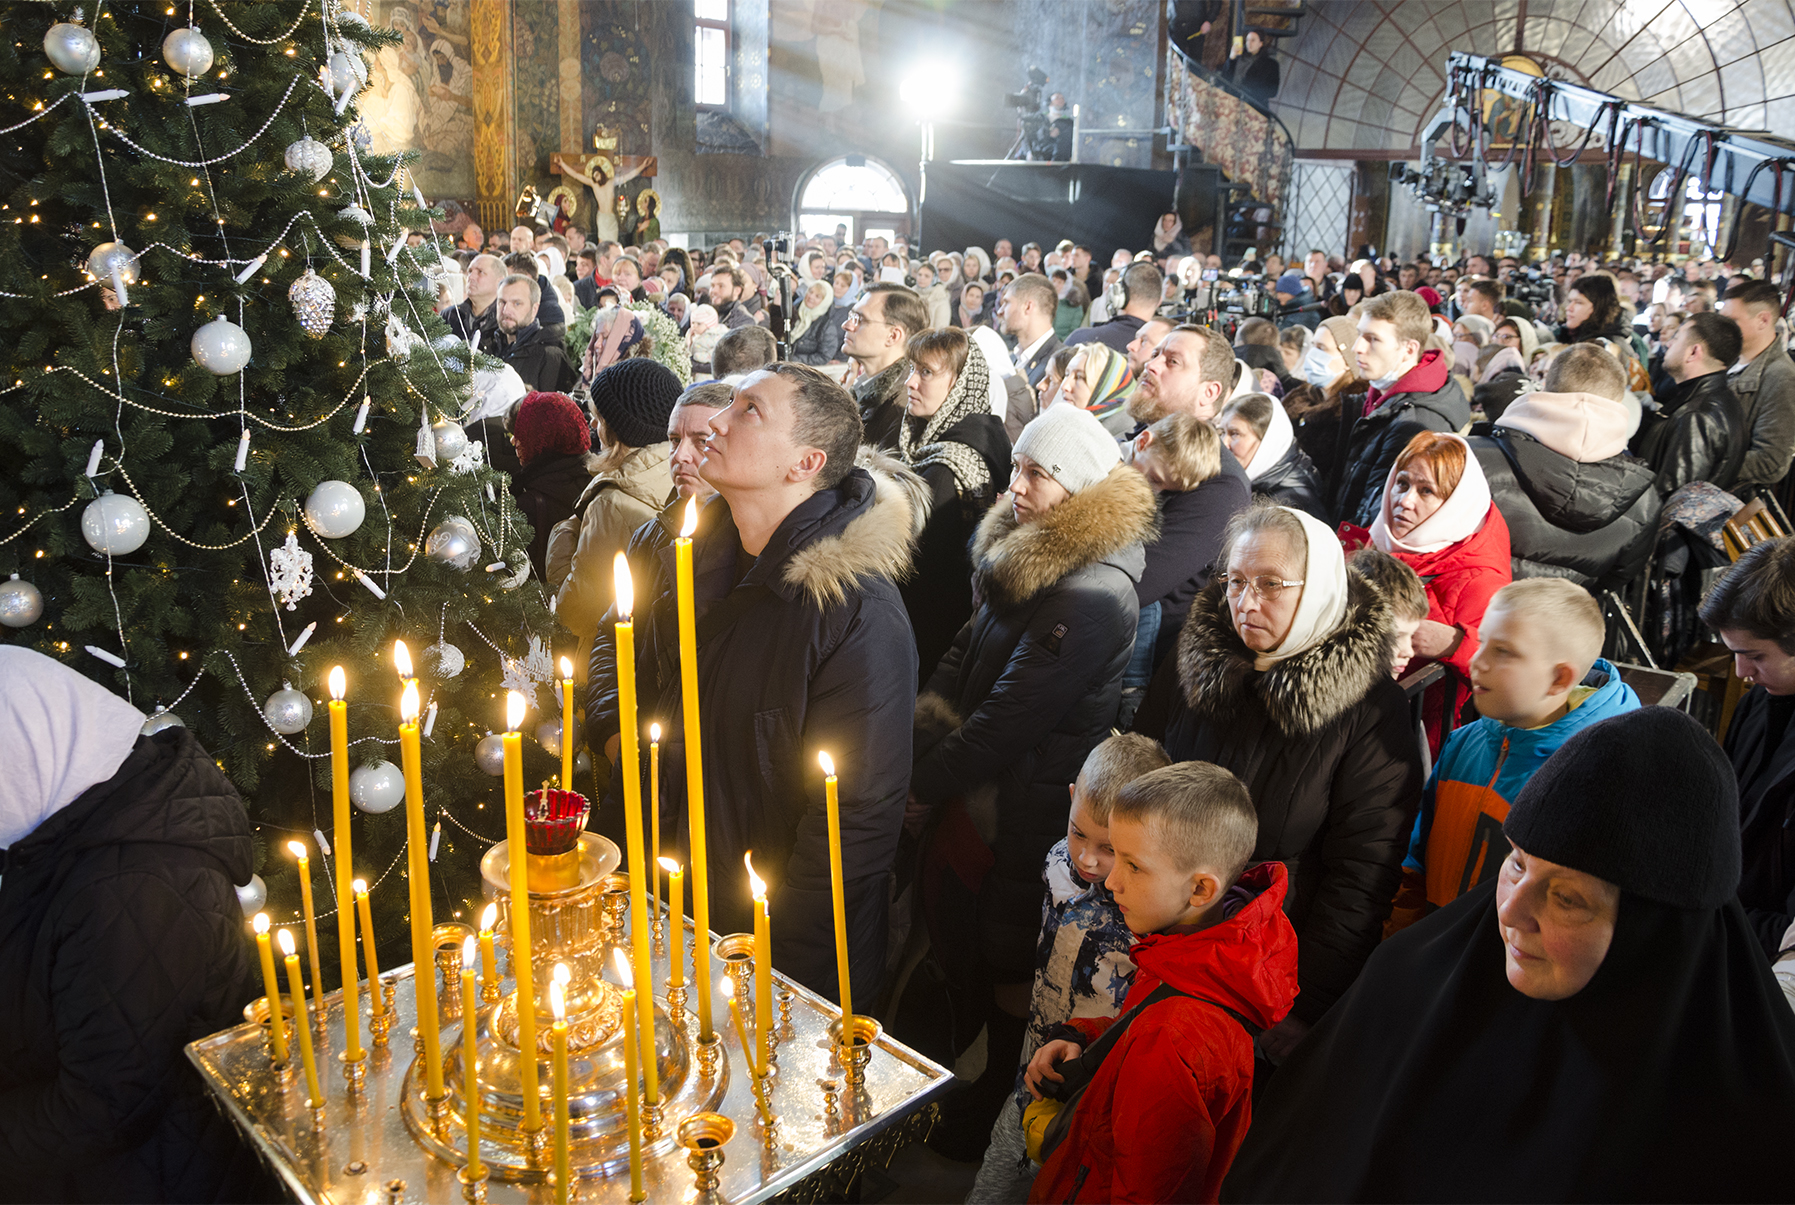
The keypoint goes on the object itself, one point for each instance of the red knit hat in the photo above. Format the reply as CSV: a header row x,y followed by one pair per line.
x,y
549,422
1431,296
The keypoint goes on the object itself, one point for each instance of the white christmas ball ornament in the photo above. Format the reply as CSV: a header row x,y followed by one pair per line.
x,y
287,711
444,661
451,439
348,72
489,754
253,895
314,303
72,48
335,509
21,603
221,346
309,157
377,788
160,720
454,543
115,524
109,258
187,51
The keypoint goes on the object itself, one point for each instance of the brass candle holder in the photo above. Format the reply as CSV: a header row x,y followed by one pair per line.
x,y
381,1024
737,953
831,1114
473,1188
613,898
355,1071
703,1136
858,1052
786,998
710,1053
676,1005
257,1011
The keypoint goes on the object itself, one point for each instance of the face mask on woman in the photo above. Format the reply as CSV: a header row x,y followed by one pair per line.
x,y
1321,369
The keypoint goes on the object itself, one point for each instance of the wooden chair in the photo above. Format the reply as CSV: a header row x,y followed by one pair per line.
x,y
1752,523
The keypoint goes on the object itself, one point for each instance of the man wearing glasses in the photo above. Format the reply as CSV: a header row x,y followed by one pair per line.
x,y
874,335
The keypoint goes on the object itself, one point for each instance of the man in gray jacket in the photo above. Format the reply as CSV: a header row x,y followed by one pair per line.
x,y
1764,382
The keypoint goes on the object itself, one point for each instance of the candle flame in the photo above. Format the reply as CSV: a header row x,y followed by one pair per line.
x,y
408,702
557,1001
827,763
402,658
562,975
691,523
567,669
296,849
286,942
623,972
755,885
337,684
469,954
489,919
260,923
669,865
360,886
626,589
514,711
654,733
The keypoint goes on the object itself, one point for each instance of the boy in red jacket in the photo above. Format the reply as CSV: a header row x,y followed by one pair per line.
x,y
1168,1107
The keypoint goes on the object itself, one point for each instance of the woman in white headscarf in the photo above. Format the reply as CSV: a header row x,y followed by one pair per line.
x,y
1282,676
121,939
817,336
1259,433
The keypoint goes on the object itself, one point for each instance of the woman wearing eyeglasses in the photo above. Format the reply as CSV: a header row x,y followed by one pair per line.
x,y
1281,675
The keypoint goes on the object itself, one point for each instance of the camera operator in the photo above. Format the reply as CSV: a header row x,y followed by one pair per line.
x,y
1056,136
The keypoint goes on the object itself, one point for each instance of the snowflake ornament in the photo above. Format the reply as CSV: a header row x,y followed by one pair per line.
x,y
470,460
290,572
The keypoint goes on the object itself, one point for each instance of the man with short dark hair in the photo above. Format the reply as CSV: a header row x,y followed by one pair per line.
x,y
873,336
522,343
728,286
1143,288
1763,380
804,647
743,350
1481,297
1698,432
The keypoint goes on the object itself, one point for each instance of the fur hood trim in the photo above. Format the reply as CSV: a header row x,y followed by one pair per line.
x,y
1302,695
879,543
1013,562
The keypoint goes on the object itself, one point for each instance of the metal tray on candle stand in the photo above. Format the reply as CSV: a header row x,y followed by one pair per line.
x,y
379,1145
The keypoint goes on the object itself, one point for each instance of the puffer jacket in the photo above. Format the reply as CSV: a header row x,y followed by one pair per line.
x,y
1425,399
121,940
1032,683
1697,434
1293,482
1325,745
821,341
1170,1104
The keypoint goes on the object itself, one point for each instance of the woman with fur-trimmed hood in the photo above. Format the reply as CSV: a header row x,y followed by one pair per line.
x,y
1033,680
1282,676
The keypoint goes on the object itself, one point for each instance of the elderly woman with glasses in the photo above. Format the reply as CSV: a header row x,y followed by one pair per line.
x,y
1282,676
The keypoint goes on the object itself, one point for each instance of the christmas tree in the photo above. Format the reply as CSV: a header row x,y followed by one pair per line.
x,y
229,419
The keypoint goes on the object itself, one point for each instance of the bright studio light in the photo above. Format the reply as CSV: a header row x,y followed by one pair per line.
x,y
927,95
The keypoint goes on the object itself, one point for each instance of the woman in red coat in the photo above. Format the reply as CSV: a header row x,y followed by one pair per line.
x,y
1438,518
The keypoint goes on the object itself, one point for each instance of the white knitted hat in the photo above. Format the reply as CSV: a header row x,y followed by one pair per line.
x,y
1071,444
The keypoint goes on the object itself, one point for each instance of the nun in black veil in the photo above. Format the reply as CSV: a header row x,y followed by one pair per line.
x,y
1595,1023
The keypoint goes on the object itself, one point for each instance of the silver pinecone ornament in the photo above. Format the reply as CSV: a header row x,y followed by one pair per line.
x,y
314,303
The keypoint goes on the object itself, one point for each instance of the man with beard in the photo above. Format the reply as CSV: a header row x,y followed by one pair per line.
x,y
540,361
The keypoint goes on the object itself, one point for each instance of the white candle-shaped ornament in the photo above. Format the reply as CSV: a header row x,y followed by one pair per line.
x,y
93,458
242,449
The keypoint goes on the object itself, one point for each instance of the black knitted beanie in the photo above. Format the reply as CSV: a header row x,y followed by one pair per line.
x,y
1646,800
635,398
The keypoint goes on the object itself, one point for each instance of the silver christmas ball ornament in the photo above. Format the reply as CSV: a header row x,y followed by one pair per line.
x,y
451,439
187,51
72,48
115,524
287,711
160,720
21,603
314,303
377,788
221,346
489,754
548,735
253,895
309,157
582,763
444,661
348,72
109,258
454,543
335,509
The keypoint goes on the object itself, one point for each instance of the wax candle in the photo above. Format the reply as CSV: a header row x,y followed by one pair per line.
x,y
688,681
297,849
470,1057
271,984
754,1081
301,1021
489,963
367,947
520,909
423,947
632,819
558,1042
633,1051
654,817
339,797
844,984
763,966
567,723
676,922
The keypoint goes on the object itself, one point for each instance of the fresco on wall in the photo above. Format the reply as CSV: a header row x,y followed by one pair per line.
x,y
421,93
820,53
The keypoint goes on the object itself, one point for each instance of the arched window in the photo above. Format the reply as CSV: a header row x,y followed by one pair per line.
x,y
860,193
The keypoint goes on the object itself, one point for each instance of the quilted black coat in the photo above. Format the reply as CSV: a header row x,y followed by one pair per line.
x,y
121,940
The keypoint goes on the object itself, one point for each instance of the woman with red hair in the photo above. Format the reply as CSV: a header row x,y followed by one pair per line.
x,y
1437,517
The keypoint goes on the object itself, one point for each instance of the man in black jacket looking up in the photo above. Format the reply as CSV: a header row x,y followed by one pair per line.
x,y
1698,433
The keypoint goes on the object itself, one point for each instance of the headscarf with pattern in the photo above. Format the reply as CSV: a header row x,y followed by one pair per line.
x,y
969,395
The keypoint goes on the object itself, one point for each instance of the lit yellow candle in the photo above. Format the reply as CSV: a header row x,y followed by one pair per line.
x,y
654,817
763,967
567,723
339,796
417,857
632,820
843,979
676,922
301,1022
297,849
367,947
470,1057
694,752
633,1052
271,984
517,849
754,1081
558,1041
489,962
